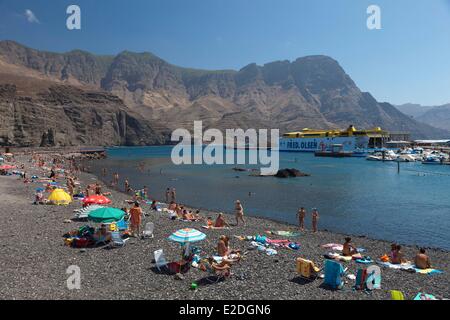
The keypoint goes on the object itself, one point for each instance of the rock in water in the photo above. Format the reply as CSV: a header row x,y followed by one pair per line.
x,y
288,173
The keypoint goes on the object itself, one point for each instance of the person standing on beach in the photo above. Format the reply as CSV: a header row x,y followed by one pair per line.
x,y
315,218
173,193
239,210
301,218
116,179
98,189
168,196
127,186
136,219
104,172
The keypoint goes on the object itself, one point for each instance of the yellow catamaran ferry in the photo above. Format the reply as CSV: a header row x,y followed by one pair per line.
x,y
352,140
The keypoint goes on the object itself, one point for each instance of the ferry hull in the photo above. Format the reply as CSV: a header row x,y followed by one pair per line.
x,y
349,144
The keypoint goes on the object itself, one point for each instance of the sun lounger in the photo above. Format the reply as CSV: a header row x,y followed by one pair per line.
x,y
116,240
160,260
148,230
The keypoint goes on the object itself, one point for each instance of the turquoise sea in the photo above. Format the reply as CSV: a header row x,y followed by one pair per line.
x,y
353,195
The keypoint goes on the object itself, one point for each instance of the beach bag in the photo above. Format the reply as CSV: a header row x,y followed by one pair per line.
x,y
294,246
80,242
261,239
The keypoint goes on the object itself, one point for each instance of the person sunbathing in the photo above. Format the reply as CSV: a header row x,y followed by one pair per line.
x,y
224,250
347,248
172,206
209,222
422,261
396,255
209,263
102,234
154,205
221,222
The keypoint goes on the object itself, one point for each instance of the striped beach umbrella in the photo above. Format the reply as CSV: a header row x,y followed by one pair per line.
x,y
187,235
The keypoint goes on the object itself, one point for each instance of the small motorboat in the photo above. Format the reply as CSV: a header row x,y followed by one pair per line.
x,y
433,160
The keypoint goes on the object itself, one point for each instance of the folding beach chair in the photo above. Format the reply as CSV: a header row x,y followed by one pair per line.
x,y
116,240
307,269
333,274
122,225
160,260
148,230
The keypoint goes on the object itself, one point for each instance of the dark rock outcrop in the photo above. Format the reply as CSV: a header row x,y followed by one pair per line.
x,y
290,173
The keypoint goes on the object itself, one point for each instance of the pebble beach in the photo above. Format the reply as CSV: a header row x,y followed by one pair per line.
x,y
34,258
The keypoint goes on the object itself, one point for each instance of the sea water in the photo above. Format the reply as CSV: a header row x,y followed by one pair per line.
x,y
352,195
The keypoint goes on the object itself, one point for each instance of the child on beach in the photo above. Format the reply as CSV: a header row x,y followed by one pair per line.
x,y
315,219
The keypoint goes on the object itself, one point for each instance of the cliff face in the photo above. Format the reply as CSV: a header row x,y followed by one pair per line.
x,y
312,92
68,116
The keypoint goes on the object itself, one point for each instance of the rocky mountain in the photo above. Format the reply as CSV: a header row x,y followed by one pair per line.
x,y
67,116
437,116
312,91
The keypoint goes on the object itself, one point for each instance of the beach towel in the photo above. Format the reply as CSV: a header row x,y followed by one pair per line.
x,y
284,233
212,227
277,242
262,248
364,260
337,256
333,246
427,271
403,266
339,247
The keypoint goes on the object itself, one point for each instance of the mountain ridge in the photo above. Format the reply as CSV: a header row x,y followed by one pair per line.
x,y
312,91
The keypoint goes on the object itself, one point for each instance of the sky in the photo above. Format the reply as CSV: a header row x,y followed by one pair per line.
x,y
407,60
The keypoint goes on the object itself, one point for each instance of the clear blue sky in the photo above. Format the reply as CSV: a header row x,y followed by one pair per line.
x,y
407,61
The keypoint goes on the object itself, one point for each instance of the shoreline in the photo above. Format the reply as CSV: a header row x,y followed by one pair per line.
x,y
274,220
35,259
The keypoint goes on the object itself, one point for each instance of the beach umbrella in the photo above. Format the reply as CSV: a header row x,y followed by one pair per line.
x,y
7,167
187,235
96,199
40,189
60,197
106,215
